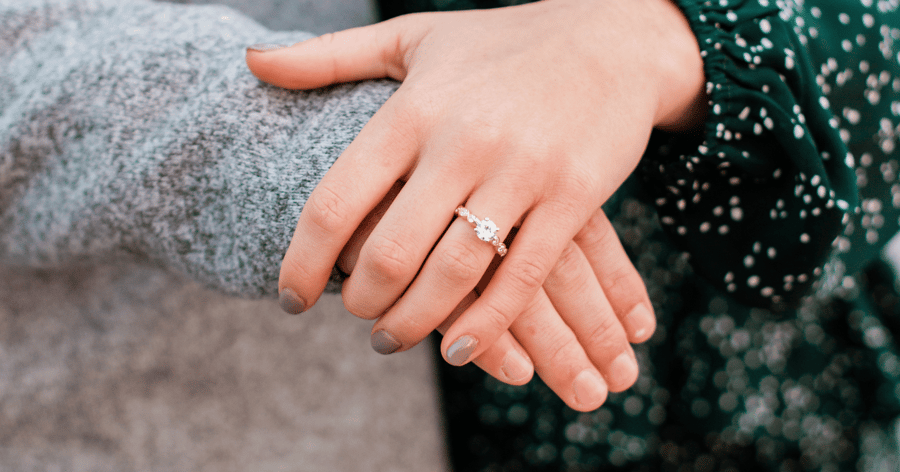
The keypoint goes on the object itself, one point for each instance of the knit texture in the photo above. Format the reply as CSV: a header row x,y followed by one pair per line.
x,y
136,130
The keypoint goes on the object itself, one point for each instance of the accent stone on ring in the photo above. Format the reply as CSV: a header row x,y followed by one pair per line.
x,y
485,229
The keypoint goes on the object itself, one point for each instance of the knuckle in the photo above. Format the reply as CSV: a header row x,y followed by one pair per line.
x,y
496,319
622,283
568,267
389,259
482,133
458,264
564,348
526,275
358,306
580,185
567,209
328,210
414,107
603,337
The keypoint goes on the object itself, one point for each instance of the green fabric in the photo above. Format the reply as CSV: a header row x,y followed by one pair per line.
x,y
798,162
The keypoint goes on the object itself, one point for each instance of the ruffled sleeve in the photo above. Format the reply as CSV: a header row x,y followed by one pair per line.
x,y
760,196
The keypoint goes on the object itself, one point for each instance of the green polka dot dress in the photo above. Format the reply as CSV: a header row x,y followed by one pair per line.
x,y
760,240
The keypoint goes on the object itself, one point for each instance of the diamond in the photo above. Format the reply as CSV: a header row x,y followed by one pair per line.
x,y
463,212
486,230
471,218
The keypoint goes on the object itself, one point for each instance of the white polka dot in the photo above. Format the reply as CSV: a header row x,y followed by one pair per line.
x,y
868,20
804,238
753,281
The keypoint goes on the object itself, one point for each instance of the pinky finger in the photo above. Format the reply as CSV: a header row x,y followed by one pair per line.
x,y
505,360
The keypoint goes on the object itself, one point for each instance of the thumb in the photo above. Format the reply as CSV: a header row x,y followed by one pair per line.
x,y
369,52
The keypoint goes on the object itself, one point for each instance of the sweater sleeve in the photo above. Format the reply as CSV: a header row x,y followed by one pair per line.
x,y
134,129
759,197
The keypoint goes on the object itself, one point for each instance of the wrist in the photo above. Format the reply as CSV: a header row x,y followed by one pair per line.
x,y
681,79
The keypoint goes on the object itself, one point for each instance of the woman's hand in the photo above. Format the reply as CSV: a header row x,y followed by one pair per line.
x,y
529,115
577,329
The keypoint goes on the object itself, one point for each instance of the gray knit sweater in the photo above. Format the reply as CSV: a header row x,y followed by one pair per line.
x,y
135,129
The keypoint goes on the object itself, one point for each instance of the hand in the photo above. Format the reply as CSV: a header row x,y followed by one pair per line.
x,y
573,329
530,115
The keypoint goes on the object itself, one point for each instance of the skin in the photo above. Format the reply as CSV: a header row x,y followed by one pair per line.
x,y
530,115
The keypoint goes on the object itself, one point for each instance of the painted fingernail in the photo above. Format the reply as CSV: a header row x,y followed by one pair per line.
x,y
590,389
266,47
638,321
458,352
384,343
515,367
290,302
623,371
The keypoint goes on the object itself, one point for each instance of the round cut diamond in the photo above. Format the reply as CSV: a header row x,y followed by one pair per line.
x,y
486,230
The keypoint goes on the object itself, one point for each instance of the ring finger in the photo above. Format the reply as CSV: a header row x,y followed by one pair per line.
x,y
452,270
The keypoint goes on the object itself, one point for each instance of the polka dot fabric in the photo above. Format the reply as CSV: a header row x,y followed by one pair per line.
x,y
758,202
760,242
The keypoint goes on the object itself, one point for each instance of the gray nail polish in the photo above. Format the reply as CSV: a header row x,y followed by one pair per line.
x,y
458,352
384,343
265,47
290,302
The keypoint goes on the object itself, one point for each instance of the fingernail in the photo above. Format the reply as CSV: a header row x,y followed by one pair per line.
x,y
638,321
515,367
290,302
458,352
265,47
590,389
384,343
623,371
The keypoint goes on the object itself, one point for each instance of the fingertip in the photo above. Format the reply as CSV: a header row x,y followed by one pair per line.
x,y
590,390
265,47
384,342
461,350
290,302
275,64
622,372
639,323
517,368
